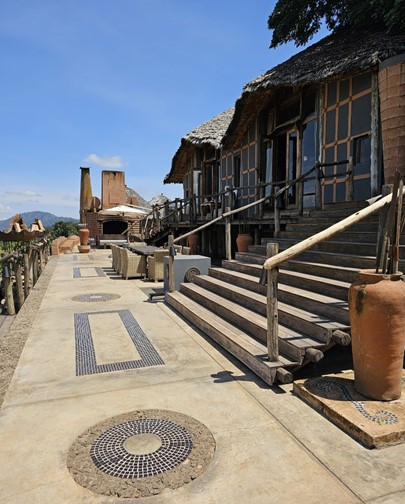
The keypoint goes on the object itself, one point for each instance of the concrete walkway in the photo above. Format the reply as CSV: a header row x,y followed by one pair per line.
x,y
270,446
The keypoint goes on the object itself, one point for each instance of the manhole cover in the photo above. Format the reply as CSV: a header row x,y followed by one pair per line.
x,y
96,297
141,453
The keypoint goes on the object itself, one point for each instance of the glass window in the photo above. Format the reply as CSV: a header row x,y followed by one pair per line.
x,y
292,165
344,89
252,156
245,160
330,126
308,146
361,83
343,121
361,115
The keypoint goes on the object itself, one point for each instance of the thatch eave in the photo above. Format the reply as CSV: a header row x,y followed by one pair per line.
x,y
207,135
338,55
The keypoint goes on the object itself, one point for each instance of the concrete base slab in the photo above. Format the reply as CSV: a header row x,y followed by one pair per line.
x,y
375,424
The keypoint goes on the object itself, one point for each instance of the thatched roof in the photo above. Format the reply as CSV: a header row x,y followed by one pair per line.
x,y
340,54
130,193
209,133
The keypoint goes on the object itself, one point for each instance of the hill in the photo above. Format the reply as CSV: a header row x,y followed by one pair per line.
x,y
47,219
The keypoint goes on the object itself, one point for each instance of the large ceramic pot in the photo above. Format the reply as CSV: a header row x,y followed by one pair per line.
x,y
243,240
377,319
193,243
391,83
84,232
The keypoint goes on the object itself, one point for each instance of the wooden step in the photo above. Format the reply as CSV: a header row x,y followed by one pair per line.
x,y
292,344
236,287
321,304
247,350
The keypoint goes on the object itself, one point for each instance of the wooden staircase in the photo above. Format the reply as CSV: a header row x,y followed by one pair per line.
x,y
229,304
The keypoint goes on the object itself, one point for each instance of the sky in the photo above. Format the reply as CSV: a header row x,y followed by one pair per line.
x,y
116,84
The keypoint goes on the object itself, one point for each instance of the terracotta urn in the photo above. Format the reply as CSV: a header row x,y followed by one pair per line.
x,y
243,240
377,319
84,247
193,243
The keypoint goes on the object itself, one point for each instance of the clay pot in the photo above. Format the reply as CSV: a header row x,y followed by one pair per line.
x,y
193,243
243,240
391,83
377,319
84,232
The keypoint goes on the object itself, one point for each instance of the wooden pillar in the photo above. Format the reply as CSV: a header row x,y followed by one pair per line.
x,y
350,190
276,213
171,262
228,236
272,306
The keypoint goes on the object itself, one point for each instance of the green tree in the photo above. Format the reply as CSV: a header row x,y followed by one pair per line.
x,y
62,228
299,20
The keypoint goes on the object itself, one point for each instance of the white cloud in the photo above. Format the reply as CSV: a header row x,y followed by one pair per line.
x,y
108,162
5,209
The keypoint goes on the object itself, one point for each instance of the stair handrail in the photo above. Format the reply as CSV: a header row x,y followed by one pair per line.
x,y
302,246
270,266
228,213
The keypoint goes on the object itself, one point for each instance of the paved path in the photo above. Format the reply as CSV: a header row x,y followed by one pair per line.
x,y
270,446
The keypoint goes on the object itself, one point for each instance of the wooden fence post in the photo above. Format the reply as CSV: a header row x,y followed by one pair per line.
x,y
19,284
27,286
8,288
272,306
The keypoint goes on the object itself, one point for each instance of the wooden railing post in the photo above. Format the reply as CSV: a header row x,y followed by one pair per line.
x,y
318,188
276,213
272,306
8,288
27,285
19,284
171,262
228,240
350,189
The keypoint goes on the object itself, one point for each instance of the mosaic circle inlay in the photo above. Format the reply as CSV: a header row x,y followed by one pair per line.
x,y
95,297
141,453
109,453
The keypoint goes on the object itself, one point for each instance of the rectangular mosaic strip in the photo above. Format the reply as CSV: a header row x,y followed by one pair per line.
x,y
77,273
86,363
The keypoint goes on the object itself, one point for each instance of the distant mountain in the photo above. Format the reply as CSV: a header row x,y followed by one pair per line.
x,y
47,219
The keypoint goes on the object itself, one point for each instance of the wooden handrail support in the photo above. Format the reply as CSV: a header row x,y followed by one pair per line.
x,y
272,307
293,251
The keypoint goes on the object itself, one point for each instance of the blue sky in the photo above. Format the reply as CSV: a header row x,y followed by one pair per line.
x,y
115,84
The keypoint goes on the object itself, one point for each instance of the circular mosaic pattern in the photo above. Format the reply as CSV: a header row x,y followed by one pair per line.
x,y
141,453
111,456
191,273
96,297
